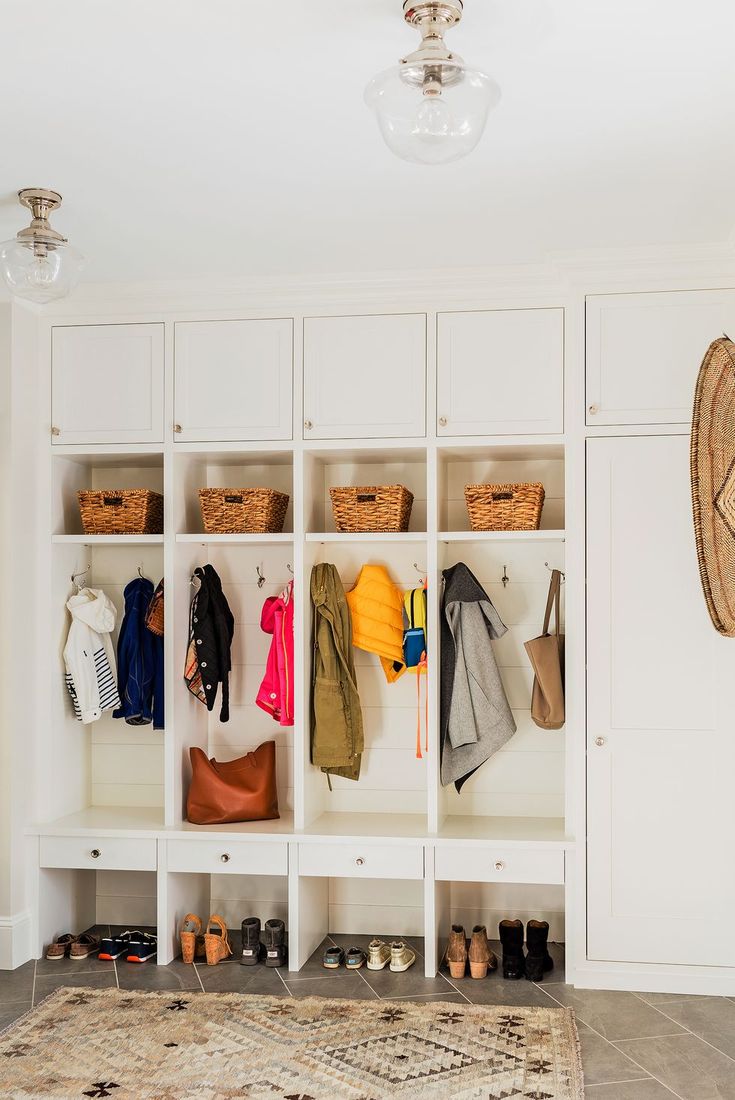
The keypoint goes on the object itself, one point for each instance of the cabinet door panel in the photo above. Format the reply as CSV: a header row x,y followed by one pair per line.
x,y
644,352
364,376
234,380
500,372
107,383
659,783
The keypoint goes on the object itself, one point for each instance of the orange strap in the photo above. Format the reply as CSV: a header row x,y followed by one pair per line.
x,y
421,667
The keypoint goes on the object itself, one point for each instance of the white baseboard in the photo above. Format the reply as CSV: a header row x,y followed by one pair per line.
x,y
15,940
706,981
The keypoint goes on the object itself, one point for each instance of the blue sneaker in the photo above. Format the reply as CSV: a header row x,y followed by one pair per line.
x,y
142,947
114,947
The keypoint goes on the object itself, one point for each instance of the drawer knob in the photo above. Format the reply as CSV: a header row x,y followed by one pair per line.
x,y
308,425
359,862
593,410
55,431
225,857
443,422
599,741
178,429
499,865
95,853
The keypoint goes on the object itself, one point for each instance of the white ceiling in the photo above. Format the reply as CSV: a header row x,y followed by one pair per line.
x,y
229,137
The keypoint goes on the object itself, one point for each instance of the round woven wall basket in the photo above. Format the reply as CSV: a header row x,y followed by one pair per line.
x,y
713,481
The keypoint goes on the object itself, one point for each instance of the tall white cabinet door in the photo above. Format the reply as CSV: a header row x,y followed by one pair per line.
x,y
233,380
365,376
660,735
500,372
107,384
644,352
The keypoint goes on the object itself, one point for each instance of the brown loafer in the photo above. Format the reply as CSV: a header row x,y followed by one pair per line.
x,y
85,945
59,949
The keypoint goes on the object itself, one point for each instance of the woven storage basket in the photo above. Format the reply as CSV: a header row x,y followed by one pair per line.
x,y
243,511
513,507
121,511
371,507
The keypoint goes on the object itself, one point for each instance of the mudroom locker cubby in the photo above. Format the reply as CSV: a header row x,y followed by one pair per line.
x,y
433,389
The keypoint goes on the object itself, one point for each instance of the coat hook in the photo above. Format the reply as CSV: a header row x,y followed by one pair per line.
x,y
505,578
261,577
140,571
550,568
75,575
290,568
421,572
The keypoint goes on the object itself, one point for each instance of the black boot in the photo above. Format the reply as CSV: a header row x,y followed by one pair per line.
x,y
252,949
538,959
511,939
275,943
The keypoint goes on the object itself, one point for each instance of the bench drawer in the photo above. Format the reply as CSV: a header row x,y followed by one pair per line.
x,y
479,864
104,853
357,860
223,857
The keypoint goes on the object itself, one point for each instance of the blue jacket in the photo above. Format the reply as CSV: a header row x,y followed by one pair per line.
x,y
139,661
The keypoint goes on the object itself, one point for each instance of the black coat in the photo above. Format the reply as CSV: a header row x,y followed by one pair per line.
x,y
212,626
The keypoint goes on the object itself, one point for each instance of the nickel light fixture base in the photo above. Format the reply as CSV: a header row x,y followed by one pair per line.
x,y
39,234
432,66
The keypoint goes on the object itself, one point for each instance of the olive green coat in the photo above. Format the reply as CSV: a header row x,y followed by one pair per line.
x,y
337,740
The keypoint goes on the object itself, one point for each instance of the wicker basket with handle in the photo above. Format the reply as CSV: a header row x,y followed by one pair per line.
x,y
510,507
371,507
243,511
121,511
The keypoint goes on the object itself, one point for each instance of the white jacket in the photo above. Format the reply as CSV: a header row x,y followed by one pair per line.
x,y
91,676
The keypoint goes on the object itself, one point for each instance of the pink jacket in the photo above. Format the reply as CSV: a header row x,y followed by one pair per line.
x,y
276,691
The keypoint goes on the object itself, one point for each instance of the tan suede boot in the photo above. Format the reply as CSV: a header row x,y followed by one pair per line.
x,y
481,957
456,955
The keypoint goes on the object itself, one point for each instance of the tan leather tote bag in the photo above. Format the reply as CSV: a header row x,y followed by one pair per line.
x,y
546,654
239,790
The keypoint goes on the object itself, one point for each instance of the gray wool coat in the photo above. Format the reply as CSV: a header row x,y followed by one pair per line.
x,y
476,718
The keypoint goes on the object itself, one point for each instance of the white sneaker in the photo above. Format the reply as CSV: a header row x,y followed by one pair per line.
x,y
401,956
378,955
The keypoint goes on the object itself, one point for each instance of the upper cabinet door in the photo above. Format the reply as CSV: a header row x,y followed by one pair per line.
x,y
644,352
107,384
500,372
234,380
364,376
660,746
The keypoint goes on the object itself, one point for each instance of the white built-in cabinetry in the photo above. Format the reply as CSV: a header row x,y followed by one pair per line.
x,y
107,384
233,380
613,823
500,372
643,351
365,377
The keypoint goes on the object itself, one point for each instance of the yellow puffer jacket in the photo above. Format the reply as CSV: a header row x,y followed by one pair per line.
x,y
376,606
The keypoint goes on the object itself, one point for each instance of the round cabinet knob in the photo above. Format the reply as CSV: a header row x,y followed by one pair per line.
x,y
55,431
593,410
308,425
178,429
442,421
95,853
499,865
359,862
225,857
599,741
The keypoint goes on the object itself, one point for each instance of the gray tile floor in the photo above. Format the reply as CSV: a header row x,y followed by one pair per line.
x,y
635,1046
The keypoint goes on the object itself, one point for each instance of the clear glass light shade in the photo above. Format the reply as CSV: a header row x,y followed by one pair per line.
x,y
40,275
436,128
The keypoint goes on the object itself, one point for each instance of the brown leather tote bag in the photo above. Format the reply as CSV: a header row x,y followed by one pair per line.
x,y
546,654
239,790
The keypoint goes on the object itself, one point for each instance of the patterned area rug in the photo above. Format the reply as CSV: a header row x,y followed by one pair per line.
x,y
156,1046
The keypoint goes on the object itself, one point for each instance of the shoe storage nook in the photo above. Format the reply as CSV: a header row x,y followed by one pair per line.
x,y
593,826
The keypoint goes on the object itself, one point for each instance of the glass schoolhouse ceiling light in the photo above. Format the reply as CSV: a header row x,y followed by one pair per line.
x,y
431,108
39,264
